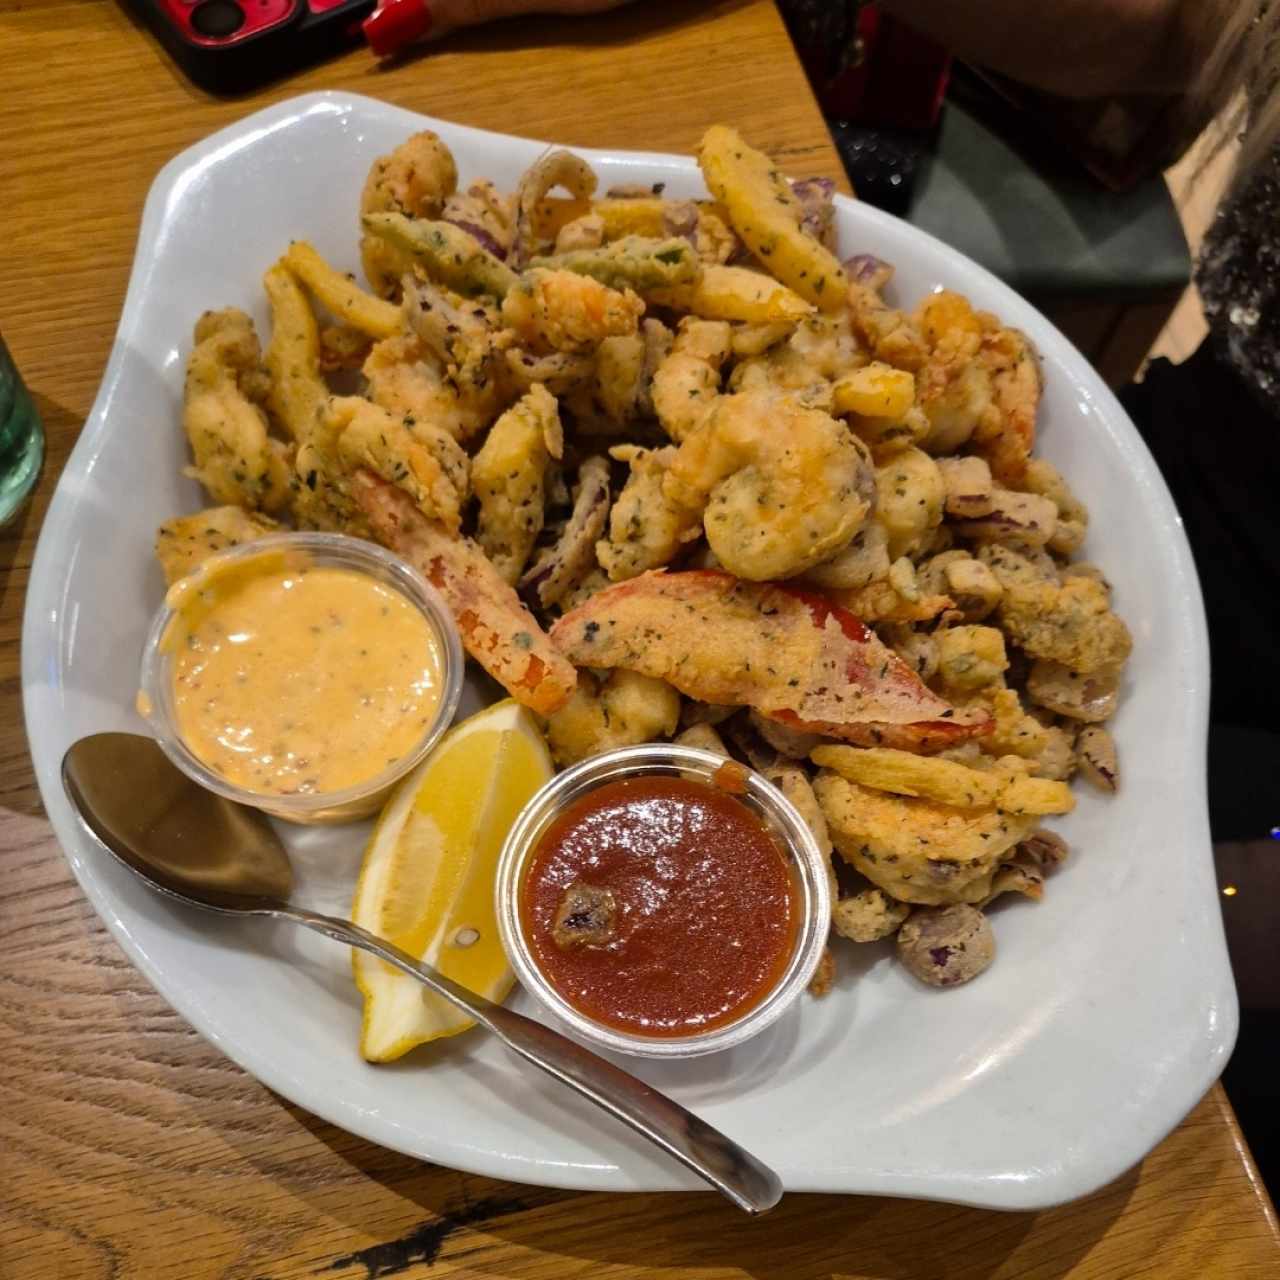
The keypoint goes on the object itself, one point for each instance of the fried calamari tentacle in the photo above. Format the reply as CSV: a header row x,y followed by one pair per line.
x,y
558,168
559,371
889,334
646,531
561,567
464,335
456,356
496,629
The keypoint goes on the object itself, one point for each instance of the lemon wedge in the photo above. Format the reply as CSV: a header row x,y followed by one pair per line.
x,y
427,880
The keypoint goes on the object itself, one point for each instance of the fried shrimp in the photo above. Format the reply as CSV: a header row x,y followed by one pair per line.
x,y
508,476
1006,435
953,386
238,463
780,487
406,379
687,380
561,311
818,351
415,179
889,334
497,630
980,385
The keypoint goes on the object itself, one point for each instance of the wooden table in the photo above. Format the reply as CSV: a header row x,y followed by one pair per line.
x,y
128,1146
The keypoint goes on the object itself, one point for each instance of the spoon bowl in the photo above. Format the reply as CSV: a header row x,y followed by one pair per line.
x,y
213,853
184,840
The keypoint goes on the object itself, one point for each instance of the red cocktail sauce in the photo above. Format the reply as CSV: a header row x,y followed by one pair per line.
x,y
703,912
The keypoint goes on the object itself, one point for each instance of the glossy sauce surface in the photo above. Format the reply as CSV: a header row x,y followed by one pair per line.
x,y
706,915
290,677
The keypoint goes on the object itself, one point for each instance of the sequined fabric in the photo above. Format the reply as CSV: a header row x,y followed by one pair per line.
x,y
1239,281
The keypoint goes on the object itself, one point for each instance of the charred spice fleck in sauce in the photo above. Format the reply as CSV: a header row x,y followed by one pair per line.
x,y
660,906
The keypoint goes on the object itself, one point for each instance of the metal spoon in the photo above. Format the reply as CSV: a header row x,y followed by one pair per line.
x,y
212,853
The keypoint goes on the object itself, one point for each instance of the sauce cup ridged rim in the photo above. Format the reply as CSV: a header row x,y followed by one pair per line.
x,y
337,550
783,819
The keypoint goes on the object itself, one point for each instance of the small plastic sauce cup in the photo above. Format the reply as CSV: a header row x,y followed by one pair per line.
x,y
794,840
328,550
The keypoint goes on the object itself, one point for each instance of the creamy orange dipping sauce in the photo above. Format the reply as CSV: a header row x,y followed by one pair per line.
x,y
290,677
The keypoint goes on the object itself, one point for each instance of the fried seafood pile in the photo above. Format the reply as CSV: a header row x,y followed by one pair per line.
x,y
678,471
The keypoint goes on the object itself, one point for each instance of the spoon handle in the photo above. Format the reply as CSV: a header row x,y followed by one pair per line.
x,y
717,1159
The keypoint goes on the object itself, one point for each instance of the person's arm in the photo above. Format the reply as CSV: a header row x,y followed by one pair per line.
x,y
1074,48
448,15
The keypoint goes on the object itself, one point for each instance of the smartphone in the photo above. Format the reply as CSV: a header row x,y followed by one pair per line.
x,y
231,46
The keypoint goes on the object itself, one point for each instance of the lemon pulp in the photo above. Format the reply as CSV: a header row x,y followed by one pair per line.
x,y
427,881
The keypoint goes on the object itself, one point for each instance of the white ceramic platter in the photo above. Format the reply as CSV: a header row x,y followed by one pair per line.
x,y
1110,1008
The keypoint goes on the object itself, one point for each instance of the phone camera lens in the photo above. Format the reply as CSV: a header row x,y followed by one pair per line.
x,y
217,18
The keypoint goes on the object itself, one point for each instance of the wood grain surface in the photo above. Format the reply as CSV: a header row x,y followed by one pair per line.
x,y
128,1146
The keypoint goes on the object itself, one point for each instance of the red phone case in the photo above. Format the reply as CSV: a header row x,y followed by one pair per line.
x,y
228,46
